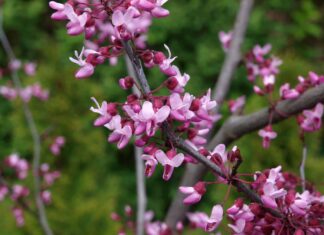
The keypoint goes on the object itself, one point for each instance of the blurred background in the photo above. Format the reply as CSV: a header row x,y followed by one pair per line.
x,y
96,178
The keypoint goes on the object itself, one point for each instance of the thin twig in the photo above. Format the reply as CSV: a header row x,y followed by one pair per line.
x,y
140,177
302,168
34,132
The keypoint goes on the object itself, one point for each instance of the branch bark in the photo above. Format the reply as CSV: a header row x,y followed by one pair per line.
x,y
34,133
177,209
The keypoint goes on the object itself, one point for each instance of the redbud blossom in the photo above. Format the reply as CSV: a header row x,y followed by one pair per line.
x,y
169,161
194,193
267,134
215,218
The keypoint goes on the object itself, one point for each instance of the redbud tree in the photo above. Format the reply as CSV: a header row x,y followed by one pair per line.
x,y
172,128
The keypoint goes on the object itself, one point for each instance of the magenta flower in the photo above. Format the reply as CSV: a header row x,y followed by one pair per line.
x,y
267,134
259,52
286,93
87,69
194,193
3,192
57,145
77,22
59,7
46,197
225,39
30,68
312,118
206,106
215,218
19,216
159,11
166,65
271,192
301,203
180,107
8,92
124,22
105,117
19,191
169,161
236,106
239,226
150,164
270,189
121,134
147,119
198,219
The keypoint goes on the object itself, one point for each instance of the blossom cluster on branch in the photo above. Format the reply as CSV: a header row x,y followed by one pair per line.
x,y
172,129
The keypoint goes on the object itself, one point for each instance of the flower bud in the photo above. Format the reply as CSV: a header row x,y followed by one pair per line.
x,y
159,57
171,83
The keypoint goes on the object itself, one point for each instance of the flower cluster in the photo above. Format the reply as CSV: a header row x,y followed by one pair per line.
x,y
305,211
15,169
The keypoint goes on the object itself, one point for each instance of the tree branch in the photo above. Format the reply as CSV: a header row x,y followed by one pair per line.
x,y
140,177
233,56
33,131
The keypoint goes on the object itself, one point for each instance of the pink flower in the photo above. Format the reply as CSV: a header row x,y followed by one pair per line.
x,y
87,69
166,66
3,192
59,7
206,106
198,219
19,216
267,134
236,106
286,93
180,107
30,68
77,22
57,145
169,161
158,11
150,164
271,192
301,203
46,197
195,193
215,218
312,118
225,39
239,226
123,22
259,51
8,92
121,134
147,119
105,117
269,82
19,191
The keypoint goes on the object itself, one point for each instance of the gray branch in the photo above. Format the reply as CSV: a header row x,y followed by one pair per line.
x,y
140,177
233,56
34,133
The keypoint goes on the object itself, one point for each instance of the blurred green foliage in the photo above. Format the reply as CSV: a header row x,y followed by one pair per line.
x,y
96,178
